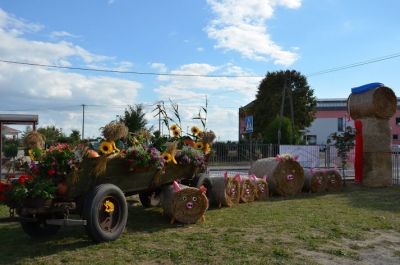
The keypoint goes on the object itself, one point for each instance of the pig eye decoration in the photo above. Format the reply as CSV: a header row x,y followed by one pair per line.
x,y
229,186
283,171
184,198
194,199
293,171
248,186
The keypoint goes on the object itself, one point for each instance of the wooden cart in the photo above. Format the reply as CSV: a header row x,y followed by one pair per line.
x,y
101,201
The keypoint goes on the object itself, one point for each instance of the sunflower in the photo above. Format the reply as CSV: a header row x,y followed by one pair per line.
x,y
109,206
200,134
106,148
176,132
198,145
167,157
195,130
173,127
206,148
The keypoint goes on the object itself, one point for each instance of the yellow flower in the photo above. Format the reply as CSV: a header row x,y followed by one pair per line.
x,y
167,157
106,148
109,206
31,155
200,134
206,148
195,130
176,132
198,145
173,127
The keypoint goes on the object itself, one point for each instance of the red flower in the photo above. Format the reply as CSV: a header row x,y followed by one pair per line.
x,y
11,176
22,179
51,172
2,198
36,172
30,177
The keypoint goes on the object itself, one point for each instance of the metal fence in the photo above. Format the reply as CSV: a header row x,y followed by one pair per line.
x,y
239,157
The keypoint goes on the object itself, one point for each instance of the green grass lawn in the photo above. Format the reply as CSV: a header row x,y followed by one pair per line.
x,y
358,225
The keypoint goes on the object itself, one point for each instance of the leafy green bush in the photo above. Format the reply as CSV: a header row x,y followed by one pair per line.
x,y
11,150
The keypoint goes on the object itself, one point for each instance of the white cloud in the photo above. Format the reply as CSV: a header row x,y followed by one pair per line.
x,y
240,26
160,66
60,34
200,49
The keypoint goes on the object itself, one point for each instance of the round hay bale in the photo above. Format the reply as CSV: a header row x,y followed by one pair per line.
x,y
314,181
333,180
379,102
186,205
261,187
247,191
226,190
285,174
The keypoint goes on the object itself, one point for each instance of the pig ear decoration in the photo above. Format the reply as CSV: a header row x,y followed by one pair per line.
x,y
335,168
252,176
226,174
176,186
278,157
324,170
203,190
312,171
265,177
238,177
296,157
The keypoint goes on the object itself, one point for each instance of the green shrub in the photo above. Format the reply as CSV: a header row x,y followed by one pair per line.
x,y
10,150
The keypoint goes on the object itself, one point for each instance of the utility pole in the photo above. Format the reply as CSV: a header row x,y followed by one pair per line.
x,y
83,121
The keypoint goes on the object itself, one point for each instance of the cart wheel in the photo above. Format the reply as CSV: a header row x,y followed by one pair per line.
x,y
150,198
39,228
204,180
106,212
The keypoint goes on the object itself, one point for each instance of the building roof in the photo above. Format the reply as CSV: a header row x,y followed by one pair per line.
x,y
10,131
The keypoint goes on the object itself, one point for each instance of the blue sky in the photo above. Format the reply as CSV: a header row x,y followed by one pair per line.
x,y
238,41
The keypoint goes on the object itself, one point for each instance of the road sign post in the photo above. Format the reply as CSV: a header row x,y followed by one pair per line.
x,y
248,123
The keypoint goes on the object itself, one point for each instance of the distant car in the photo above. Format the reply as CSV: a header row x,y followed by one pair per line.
x,y
312,141
396,149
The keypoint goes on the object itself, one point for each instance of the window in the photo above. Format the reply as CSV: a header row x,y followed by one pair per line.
x,y
397,121
395,137
340,125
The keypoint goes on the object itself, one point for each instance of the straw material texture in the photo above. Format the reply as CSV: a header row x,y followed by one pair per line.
x,y
261,188
247,191
187,205
377,169
226,191
34,139
375,103
314,180
279,174
333,180
377,135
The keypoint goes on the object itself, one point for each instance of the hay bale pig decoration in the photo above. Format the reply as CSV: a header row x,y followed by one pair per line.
x,y
334,180
226,190
247,190
285,174
314,180
261,187
184,204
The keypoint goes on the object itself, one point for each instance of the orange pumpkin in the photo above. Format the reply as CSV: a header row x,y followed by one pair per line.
x,y
62,188
92,153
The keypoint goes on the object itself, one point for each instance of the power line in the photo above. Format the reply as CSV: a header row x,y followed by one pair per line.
x,y
121,72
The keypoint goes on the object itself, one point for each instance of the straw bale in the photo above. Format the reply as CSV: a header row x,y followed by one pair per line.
x,y
261,188
377,169
247,191
226,191
114,131
314,180
379,102
34,139
377,135
333,180
188,205
285,177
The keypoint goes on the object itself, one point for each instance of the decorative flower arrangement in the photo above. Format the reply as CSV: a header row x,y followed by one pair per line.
x,y
27,186
57,162
139,155
190,155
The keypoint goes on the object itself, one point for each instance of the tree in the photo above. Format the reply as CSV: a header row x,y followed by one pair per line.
x,y
134,118
50,132
271,132
75,136
28,129
266,107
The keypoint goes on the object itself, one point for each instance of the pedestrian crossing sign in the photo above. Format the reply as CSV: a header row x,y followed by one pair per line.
x,y
248,123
